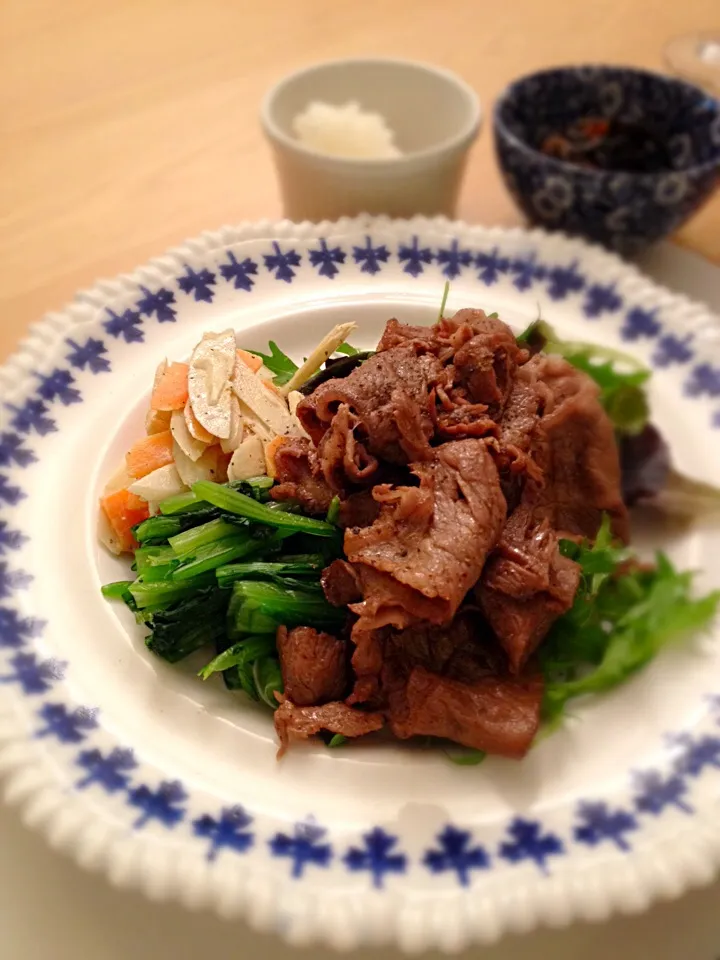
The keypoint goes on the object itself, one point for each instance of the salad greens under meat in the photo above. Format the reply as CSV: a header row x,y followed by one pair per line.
x,y
430,537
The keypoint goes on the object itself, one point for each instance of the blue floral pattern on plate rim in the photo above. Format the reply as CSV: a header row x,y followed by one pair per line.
x,y
51,375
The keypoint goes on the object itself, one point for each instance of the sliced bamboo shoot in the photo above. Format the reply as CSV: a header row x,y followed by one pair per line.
x,y
160,484
325,349
248,460
181,435
211,367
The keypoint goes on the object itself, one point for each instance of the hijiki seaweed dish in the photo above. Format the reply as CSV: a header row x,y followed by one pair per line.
x,y
427,540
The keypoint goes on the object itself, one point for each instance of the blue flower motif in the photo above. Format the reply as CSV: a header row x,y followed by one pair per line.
x,y
601,299
32,415
370,256
696,754
163,804
529,843
240,272
377,856
282,263
109,772
12,450
199,283
491,265
327,258
564,280
414,256
9,493
655,792
15,630
704,379
125,325
58,385
158,303
639,323
672,349
303,848
598,823
713,700
11,580
456,852
89,354
227,831
68,726
453,259
526,270
10,539
33,675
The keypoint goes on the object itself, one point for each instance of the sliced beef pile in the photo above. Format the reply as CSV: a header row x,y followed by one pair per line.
x,y
313,664
299,476
299,723
497,715
461,462
383,404
577,452
425,551
526,585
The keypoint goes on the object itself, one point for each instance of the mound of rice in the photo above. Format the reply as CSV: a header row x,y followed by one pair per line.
x,y
345,131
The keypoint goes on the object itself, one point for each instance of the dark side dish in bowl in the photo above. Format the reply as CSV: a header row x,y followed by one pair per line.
x,y
428,539
618,155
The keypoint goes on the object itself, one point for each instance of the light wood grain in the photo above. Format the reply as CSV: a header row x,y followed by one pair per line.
x,y
128,126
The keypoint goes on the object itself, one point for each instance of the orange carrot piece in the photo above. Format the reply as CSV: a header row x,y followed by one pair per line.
x,y
271,449
171,391
250,359
273,388
195,428
150,453
123,510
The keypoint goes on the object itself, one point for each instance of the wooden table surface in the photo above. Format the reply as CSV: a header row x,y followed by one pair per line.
x,y
129,125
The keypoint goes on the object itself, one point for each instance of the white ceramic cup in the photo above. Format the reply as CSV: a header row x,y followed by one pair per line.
x,y
434,115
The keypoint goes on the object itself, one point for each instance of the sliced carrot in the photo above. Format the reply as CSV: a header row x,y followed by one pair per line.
x,y
269,385
123,510
271,449
150,453
195,428
171,390
250,359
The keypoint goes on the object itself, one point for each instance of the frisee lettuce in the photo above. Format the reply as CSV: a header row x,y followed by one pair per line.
x,y
624,613
278,363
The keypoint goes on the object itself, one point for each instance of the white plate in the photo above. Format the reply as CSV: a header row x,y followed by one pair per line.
x,y
161,781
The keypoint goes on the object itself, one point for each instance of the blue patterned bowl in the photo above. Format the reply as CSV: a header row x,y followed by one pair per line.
x,y
625,211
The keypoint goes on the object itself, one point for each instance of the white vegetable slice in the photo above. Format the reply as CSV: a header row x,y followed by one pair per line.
x,y
294,398
192,471
211,367
196,429
253,425
118,481
160,484
264,403
264,373
327,346
237,428
181,435
248,460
